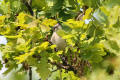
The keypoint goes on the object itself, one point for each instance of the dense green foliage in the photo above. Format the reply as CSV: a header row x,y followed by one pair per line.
x,y
92,48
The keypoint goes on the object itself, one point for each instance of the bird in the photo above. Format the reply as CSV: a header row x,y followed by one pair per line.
x,y
56,39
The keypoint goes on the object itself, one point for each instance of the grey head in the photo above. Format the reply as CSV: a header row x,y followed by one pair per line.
x,y
57,27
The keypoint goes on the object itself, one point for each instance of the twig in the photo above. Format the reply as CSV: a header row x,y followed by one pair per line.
x,y
30,73
55,70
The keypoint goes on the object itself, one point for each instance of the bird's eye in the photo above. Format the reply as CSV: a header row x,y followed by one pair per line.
x,y
54,28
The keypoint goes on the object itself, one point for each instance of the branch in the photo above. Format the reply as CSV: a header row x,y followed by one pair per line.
x,y
29,2
59,65
28,5
62,66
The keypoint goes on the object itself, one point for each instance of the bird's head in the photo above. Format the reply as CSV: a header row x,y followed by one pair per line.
x,y
57,27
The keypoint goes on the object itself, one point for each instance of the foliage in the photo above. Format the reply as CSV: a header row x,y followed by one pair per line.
x,y
89,47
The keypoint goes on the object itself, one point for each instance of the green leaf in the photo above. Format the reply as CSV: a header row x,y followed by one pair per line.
x,y
113,41
9,68
43,68
16,4
61,32
56,8
39,4
1,65
4,7
92,3
94,53
112,46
